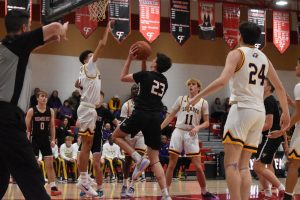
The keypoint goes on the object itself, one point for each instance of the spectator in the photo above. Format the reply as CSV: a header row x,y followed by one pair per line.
x,y
106,132
217,109
54,101
74,101
63,131
111,156
66,111
226,104
68,154
164,151
33,98
55,157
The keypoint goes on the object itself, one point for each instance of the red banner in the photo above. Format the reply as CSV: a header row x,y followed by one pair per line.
x,y
281,30
83,22
18,5
231,21
206,22
150,19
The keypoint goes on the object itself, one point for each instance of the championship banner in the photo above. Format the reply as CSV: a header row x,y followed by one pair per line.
x,y
18,5
258,17
83,22
119,11
231,20
150,19
206,22
180,20
281,30
298,25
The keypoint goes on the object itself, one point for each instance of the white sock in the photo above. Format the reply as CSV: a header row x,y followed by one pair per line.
x,y
268,192
165,192
84,177
52,184
125,182
281,187
132,183
203,190
136,157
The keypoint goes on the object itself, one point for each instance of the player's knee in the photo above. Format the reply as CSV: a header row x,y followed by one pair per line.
x,y
257,166
234,166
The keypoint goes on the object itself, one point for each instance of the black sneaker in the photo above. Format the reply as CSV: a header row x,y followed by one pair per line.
x,y
209,196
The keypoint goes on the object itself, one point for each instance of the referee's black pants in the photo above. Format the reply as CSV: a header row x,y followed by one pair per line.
x,y
17,157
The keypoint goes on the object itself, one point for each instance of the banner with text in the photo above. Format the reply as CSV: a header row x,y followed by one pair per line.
x,y
83,22
119,11
258,17
231,21
18,5
180,20
206,20
150,19
281,30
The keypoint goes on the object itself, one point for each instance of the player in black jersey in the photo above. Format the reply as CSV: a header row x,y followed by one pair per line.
x,y
16,154
268,147
103,115
40,123
146,116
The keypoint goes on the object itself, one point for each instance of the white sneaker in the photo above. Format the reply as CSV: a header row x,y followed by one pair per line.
x,y
130,192
92,182
87,189
123,191
139,168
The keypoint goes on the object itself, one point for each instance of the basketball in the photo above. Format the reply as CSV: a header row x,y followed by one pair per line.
x,y
144,50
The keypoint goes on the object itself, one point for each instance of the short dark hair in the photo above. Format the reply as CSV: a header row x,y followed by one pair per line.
x,y
270,84
84,55
102,93
15,19
250,32
163,62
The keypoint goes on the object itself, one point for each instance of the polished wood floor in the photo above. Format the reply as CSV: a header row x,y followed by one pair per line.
x,y
179,190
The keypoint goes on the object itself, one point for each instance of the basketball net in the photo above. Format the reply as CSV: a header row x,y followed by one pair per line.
x,y
97,10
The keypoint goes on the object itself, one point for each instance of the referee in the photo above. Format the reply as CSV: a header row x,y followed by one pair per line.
x,y
16,154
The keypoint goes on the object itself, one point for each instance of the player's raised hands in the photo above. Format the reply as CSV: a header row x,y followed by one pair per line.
x,y
133,52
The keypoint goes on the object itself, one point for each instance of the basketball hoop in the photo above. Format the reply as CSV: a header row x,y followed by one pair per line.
x,y
97,10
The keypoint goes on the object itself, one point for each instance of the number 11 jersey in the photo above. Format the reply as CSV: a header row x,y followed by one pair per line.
x,y
187,120
247,84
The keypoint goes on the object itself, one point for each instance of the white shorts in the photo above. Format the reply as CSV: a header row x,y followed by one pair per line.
x,y
181,140
294,150
87,119
137,142
244,127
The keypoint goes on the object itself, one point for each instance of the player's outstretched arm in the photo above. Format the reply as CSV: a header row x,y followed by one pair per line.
x,y
102,42
233,59
55,32
52,128
125,76
281,94
174,111
168,119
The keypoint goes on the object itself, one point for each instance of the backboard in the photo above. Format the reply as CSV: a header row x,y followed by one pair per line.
x,y
53,10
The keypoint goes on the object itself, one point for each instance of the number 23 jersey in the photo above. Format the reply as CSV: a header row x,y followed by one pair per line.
x,y
153,86
187,120
247,84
